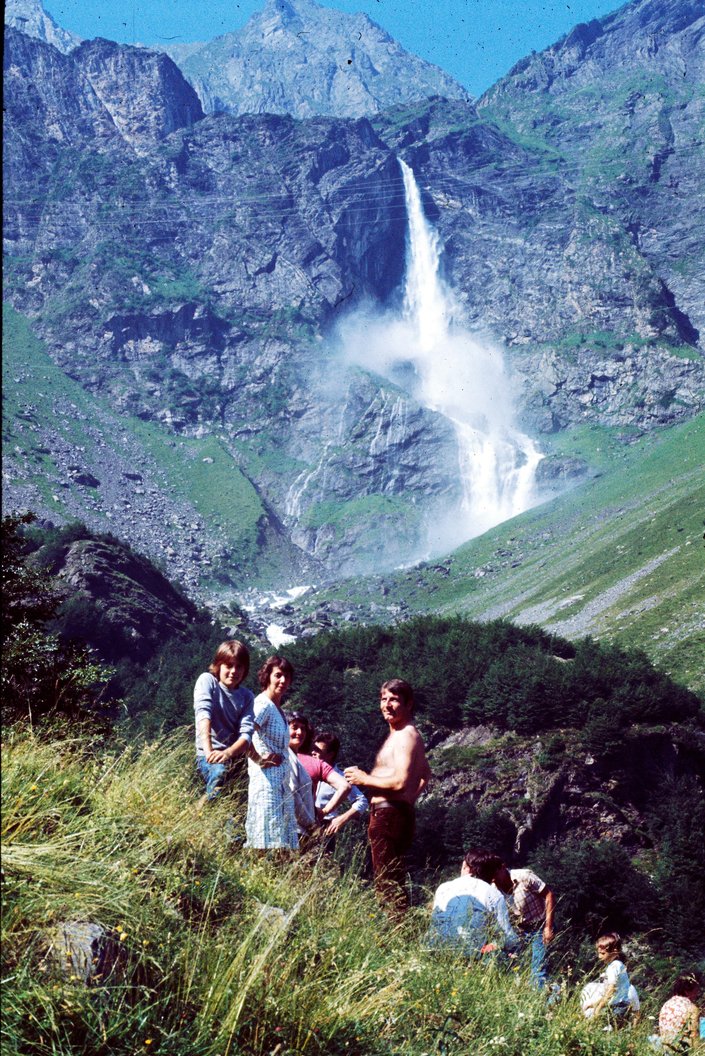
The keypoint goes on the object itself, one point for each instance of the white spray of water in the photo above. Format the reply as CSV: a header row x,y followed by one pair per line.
x,y
457,374
465,380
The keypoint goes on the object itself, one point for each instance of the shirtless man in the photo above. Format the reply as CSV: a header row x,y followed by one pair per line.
x,y
397,779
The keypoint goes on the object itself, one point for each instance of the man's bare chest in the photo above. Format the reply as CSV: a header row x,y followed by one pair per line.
x,y
385,756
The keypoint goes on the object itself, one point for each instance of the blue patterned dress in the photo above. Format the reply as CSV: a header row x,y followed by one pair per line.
x,y
271,821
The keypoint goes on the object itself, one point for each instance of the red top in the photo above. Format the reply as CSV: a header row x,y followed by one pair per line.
x,y
316,769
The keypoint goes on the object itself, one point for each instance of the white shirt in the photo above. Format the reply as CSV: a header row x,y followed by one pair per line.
x,y
615,974
467,913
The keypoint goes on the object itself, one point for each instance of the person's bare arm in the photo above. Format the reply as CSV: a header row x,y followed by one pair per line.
x,y
424,778
342,788
550,903
336,824
270,759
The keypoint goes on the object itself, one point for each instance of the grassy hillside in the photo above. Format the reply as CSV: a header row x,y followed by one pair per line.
x,y
220,953
619,557
51,424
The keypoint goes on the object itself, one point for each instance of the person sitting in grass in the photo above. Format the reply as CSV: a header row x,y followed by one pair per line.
x,y
469,914
679,1018
223,714
611,991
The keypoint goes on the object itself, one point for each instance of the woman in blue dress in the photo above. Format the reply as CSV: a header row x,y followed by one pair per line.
x,y
271,822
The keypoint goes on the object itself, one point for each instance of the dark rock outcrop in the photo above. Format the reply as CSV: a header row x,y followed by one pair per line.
x,y
128,593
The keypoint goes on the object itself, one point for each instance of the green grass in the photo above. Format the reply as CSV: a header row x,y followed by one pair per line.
x,y
626,546
217,489
119,839
364,509
41,399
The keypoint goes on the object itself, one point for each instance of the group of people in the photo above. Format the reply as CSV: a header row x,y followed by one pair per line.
x,y
490,909
295,788
296,792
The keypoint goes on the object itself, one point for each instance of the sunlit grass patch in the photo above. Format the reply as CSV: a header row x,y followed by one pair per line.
x,y
216,950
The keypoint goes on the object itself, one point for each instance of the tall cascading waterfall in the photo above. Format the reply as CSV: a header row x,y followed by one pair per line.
x,y
464,379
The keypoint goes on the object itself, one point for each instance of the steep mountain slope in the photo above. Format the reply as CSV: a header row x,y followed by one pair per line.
x,y
591,330
70,455
192,271
621,100
207,271
298,57
620,557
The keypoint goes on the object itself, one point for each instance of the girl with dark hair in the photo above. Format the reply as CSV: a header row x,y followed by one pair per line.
x,y
307,772
271,823
223,714
679,1018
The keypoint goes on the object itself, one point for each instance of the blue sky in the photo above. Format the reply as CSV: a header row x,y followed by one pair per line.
x,y
476,41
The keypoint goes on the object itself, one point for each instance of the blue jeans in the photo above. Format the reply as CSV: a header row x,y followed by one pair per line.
x,y
214,774
532,941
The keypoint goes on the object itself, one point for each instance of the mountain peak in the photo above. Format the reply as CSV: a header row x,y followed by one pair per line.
x,y
305,59
30,17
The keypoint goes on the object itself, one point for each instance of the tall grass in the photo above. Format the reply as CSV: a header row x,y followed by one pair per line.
x,y
219,952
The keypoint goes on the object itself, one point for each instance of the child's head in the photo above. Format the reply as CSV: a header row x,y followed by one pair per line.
x,y
326,746
609,946
231,663
687,986
481,863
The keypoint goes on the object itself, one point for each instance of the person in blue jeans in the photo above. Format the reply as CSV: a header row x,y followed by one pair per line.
x,y
531,906
223,715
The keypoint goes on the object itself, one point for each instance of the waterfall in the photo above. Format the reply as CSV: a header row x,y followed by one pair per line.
x,y
464,379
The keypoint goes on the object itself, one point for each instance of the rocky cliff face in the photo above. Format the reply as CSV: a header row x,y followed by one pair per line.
x,y
551,789
193,271
144,94
297,57
191,284
619,100
592,328
30,17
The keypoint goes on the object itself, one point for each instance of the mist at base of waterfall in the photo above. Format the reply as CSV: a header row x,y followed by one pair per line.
x,y
463,378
